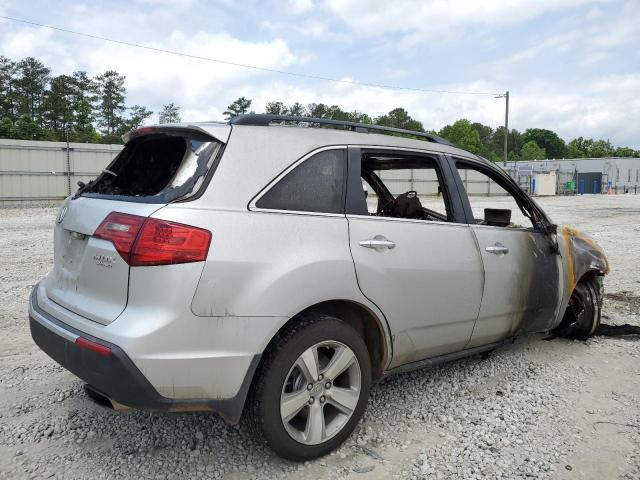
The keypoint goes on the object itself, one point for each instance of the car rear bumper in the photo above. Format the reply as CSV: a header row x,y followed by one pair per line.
x,y
114,375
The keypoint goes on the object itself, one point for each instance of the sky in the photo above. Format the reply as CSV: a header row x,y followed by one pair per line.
x,y
572,66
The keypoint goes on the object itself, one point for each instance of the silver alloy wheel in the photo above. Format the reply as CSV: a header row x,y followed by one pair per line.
x,y
320,392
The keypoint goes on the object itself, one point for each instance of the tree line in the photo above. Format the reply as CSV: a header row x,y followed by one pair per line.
x,y
532,144
35,105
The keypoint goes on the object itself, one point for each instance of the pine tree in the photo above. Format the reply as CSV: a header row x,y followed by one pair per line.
x,y
170,113
57,108
7,89
6,128
31,84
276,108
297,110
111,94
85,105
239,106
137,115
83,129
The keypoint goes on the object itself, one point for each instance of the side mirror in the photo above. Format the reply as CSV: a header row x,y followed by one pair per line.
x,y
497,217
550,230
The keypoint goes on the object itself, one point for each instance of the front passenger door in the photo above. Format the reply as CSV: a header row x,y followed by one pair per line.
x,y
522,284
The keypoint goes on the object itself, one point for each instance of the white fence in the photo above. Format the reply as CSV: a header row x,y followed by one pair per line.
x,y
48,171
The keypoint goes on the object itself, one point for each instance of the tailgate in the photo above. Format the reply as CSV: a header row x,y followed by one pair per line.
x,y
89,276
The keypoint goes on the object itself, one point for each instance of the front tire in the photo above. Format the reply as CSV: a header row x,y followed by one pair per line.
x,y
584,311
311,389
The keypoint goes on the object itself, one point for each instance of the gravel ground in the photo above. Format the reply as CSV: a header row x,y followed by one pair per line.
x,y
534,409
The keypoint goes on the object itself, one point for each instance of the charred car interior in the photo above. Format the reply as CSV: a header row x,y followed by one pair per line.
x,y
159,167
406,204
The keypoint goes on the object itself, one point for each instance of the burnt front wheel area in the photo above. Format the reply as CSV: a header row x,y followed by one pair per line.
x,y
583,313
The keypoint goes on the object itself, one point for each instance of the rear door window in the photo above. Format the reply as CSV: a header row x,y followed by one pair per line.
x,y
316,185
403,185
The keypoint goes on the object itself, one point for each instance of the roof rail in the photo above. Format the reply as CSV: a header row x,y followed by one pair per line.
x,y
264,119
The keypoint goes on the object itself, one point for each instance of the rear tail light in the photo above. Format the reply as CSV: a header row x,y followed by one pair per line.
x,y
144,241
162,243
121,229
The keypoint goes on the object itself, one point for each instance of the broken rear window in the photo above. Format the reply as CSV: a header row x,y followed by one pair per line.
x,y
159,167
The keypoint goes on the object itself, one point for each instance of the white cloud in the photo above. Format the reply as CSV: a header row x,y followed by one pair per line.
x,y
592,58
168,3
624,31
158,78
557,42
308,28
431,17
28,40
607,107
300,6
584,40
220,46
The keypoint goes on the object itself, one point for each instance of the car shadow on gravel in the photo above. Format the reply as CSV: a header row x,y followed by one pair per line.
x,y
620,302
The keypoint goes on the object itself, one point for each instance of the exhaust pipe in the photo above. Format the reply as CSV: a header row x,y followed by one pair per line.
x,y
104,401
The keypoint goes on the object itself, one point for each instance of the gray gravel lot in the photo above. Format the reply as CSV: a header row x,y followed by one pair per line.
x,y
534,409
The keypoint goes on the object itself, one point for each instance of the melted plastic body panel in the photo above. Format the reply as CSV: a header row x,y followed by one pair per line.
x,y
581,255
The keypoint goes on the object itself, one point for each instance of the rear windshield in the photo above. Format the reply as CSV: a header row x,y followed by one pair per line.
x,y
160,167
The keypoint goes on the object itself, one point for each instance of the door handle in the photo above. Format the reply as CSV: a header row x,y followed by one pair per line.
x,y
379,243
498,249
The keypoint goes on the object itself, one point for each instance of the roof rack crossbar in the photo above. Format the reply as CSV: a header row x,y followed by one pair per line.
x,y
263,119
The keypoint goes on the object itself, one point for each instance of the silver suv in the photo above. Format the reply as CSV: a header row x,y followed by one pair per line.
x,y
277,266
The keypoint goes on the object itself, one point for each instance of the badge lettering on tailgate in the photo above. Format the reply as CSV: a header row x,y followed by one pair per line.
x,y
104,260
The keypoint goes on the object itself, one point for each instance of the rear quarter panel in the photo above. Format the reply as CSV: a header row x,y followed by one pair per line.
x,y
271,264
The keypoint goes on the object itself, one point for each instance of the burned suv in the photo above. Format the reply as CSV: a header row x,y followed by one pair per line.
x,y
278,266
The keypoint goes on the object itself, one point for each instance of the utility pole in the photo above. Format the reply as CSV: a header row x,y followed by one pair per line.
x,y
66,131
505,95
506,127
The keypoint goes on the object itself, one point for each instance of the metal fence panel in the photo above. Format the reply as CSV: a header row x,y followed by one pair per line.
x,y
34,170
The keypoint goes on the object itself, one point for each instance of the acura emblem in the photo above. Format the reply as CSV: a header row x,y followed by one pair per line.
x,y
63,212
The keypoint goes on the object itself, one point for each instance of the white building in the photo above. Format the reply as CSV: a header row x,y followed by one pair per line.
x,y
589,175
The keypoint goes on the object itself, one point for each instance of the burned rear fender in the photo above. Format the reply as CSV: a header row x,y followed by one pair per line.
x,y
581,255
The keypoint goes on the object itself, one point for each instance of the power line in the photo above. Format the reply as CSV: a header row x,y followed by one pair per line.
x,y
243,65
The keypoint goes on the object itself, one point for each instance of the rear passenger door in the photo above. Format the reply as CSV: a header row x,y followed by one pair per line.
x,y
425,274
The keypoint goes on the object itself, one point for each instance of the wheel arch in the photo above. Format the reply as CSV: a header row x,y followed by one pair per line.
x,y
369,326
592,278
592,274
